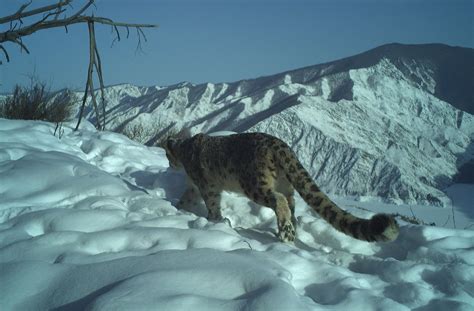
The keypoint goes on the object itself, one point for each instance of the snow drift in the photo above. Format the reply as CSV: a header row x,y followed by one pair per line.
x,y
87,223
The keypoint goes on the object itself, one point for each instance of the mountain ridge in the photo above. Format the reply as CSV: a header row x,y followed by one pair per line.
x,y
383,130
393,51
397,51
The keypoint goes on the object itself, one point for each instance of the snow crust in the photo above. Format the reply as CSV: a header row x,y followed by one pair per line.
x,y
87,223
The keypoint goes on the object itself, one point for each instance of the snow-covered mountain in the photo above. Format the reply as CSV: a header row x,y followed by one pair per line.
x,y
395,122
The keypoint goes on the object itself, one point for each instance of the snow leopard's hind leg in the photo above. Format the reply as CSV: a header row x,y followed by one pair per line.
x,y
291,204
262,192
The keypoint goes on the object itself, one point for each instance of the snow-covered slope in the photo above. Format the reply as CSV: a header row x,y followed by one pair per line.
x,y
395,122
87,223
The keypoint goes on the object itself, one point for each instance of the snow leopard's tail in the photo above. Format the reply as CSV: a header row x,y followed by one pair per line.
x,y
381,227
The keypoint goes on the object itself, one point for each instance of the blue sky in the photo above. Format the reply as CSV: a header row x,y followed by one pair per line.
x,y
229,40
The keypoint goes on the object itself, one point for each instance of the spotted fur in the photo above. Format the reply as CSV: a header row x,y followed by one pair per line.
x,y
267,171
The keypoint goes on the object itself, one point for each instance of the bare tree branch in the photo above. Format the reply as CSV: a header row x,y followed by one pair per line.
x,y
26,31
52,19
98,66
19,14
93,62
45,17
90,25
13,33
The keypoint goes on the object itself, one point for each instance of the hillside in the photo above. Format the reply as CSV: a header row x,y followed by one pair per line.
x,y
393,123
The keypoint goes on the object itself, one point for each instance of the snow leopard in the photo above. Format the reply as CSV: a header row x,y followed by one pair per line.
x,y
266,170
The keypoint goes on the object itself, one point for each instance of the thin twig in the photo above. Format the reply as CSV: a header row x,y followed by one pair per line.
x,y
5,52
250,246
19,41
45,17
82,10
13,26
58,10
139,44
446,222
118,33
454,219
22,8
142,33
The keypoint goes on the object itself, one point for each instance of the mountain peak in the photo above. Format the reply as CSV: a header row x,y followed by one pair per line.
x,y
452,68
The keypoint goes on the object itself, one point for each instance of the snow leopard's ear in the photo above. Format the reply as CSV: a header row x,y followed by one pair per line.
x,y
185,133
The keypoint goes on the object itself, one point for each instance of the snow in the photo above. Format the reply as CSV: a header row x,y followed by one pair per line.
x,y
87,222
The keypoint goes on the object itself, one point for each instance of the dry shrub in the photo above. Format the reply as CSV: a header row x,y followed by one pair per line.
x,y
35,103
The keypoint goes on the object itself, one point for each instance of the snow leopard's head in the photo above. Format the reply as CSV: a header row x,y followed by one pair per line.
x,y
170,145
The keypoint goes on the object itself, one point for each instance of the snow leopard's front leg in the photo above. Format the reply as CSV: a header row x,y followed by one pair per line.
x,y
212,197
